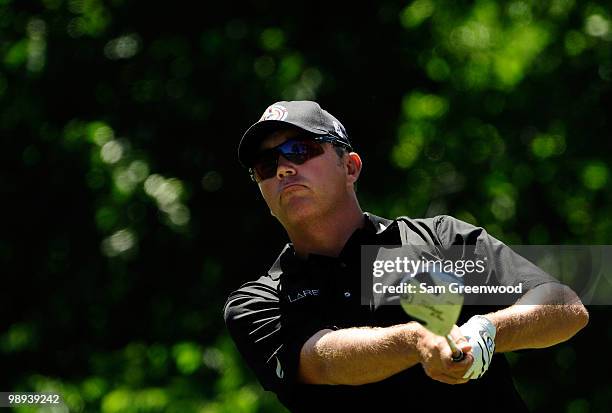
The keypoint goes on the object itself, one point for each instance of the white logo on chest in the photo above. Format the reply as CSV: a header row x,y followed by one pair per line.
x,y
298,295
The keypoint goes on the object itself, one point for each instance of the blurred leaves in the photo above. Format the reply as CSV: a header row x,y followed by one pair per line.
x,y
129,219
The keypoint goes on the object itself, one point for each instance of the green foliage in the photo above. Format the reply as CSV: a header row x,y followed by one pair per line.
x,y
129,219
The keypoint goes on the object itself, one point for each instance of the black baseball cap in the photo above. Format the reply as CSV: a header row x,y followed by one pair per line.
x,y
304,114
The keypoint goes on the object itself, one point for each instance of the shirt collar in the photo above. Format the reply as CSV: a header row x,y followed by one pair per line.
x,y
374,231
378,224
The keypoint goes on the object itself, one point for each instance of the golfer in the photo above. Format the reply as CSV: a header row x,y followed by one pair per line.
x,y
302,328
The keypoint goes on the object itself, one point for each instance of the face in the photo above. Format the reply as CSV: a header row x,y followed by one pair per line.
x,y
301,192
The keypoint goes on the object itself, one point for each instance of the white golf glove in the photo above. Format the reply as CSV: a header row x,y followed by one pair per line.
x,y
480,333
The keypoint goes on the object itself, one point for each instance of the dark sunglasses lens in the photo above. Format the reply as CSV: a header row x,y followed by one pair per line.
x,y
299,152
296,151
265,166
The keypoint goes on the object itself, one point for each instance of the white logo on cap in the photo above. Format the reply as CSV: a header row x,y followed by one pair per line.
x,y
338,129
274,112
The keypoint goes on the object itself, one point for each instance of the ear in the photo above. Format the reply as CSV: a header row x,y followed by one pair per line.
x,y
353,166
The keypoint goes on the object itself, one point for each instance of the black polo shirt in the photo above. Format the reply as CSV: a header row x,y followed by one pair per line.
x,y
271,318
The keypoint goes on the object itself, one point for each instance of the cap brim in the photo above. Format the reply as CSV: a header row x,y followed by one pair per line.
x,y
252,138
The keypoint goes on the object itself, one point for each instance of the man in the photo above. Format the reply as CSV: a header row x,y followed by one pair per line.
x,y
302,328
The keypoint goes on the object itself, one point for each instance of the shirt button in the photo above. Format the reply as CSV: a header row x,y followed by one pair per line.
x,y
347,294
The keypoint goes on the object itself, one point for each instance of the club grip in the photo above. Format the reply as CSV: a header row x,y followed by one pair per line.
x,y
458,355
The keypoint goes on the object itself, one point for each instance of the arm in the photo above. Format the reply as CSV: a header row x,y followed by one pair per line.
x,y
548,314
558,315
356,356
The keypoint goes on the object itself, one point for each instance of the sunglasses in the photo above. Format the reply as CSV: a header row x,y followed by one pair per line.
x,y
296,150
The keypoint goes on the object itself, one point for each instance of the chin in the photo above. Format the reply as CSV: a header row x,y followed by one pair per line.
x,y
298,211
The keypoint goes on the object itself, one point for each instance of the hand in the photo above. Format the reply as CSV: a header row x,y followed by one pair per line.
x,y
480,333
436,357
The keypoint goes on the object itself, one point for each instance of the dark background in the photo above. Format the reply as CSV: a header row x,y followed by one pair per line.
x,y
128,220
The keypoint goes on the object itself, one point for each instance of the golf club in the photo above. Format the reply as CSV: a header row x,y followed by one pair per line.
x,y
432,304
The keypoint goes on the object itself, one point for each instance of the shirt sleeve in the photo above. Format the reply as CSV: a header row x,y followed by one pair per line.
x,y
301,320
252,316
504,266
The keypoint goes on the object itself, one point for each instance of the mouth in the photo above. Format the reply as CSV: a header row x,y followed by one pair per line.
x,y
291,187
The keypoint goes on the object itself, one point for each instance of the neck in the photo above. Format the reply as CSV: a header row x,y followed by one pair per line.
x,y
326,235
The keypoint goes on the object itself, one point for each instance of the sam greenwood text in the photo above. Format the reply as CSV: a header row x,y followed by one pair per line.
x,y
454,288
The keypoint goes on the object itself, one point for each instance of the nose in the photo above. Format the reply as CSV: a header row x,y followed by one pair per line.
x,y
284,168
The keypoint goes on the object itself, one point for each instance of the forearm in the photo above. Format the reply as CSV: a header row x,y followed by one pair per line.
x,y
558,315
357,356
